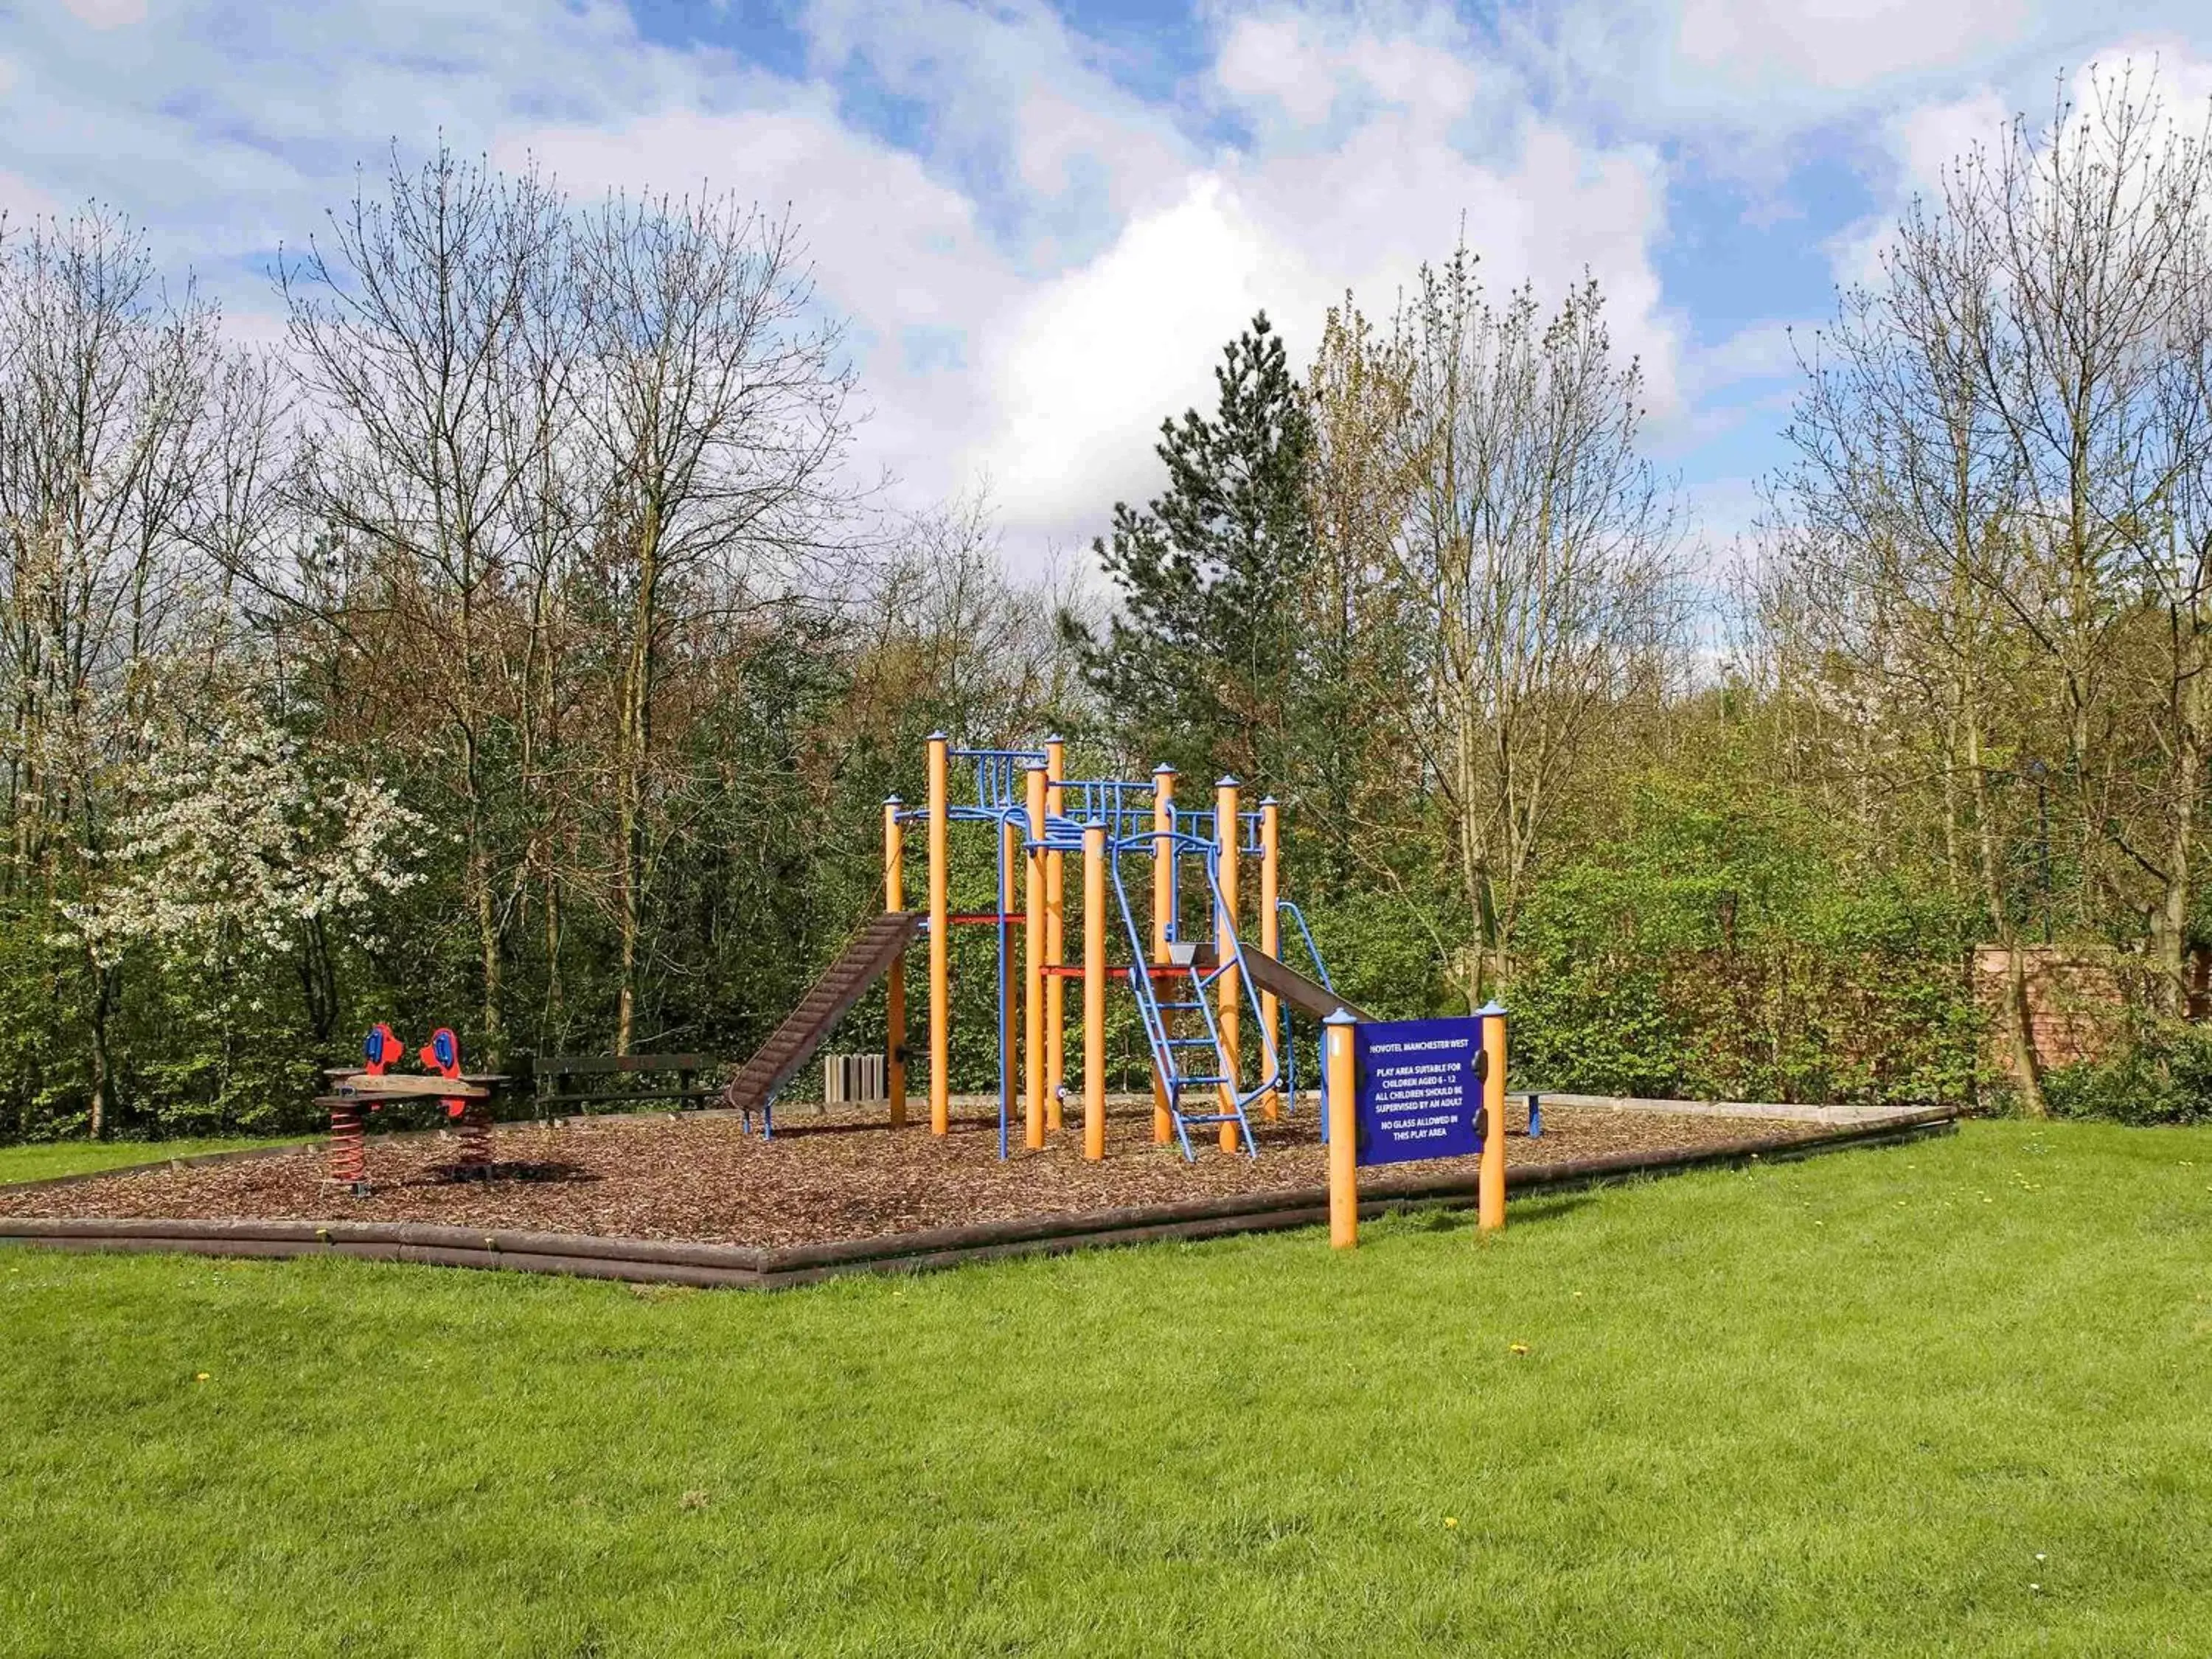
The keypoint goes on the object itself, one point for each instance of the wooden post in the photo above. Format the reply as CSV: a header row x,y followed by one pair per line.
x,y
1094,992
1342,1074
1036,1117
1055,925
894,978
1489,1187
1271,938
1164,907
1228,838
940,957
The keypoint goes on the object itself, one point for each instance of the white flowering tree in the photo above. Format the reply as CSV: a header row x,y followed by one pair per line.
x,y
235,852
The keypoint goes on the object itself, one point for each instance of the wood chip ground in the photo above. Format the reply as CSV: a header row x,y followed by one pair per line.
x,y
824,1176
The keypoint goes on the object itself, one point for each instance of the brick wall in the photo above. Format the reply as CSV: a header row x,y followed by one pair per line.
x,y
2076,996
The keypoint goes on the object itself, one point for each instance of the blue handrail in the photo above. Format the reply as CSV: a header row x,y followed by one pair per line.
x,y
1285,907
1305,933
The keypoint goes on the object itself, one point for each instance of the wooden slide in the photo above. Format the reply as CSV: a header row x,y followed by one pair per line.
x,y
809,1025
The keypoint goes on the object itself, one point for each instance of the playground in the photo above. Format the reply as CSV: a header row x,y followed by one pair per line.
x,y
1152,895
703,1179
1664,1416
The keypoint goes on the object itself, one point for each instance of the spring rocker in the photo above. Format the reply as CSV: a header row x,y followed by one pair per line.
x,y
356,1090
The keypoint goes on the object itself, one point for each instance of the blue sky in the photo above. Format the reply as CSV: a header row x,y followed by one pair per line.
x,y
1043,221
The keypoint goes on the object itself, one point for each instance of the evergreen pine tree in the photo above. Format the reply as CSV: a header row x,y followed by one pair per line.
x,y
1199,666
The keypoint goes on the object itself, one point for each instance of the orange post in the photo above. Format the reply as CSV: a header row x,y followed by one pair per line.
x,y
941,961
1489,1187
1055,926
1271,934
1163,780
1228,834
1343,1131
1094,992
894,979
1036,1117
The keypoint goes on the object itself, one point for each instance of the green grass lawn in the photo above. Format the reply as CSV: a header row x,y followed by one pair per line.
x,y
1950,1398
61,1158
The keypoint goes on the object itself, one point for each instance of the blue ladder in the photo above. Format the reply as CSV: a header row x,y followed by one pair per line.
x,y
1219,1085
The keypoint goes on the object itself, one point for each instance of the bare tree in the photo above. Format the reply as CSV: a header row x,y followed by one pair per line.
x,y
1901,530
1544,552
1362,477
717,421
2094,230
2004,446
408,330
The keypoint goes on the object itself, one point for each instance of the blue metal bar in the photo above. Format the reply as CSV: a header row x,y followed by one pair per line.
x,y
1285,907
998,783
1006,1081
1125,808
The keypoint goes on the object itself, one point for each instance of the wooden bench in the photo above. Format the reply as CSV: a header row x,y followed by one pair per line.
x,y
561,1071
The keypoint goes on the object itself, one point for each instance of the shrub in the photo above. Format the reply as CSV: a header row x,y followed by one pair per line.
x,y
2163,1075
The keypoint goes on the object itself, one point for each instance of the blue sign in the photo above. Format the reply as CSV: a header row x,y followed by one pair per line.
x,y
1420,1089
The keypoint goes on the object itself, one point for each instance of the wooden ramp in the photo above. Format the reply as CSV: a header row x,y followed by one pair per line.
x,y
1306,995
809,1025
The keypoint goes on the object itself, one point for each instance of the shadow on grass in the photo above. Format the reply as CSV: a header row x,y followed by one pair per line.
x,y
1528,1211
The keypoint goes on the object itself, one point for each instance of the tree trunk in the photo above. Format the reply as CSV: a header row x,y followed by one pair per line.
x,y
551,1021
484,902
2019,1027
103,1065
1479,965
2170,920
636,762
318,987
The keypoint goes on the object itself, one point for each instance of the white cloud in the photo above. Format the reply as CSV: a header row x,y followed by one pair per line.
x,y
891,249
1045,259
20,199
107,14
1763,352
1840,44
1012,95
1272,57
879,229
1083,374
1916,146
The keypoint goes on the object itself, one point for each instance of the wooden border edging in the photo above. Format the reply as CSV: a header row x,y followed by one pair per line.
x,y
1736,1108
752,1267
